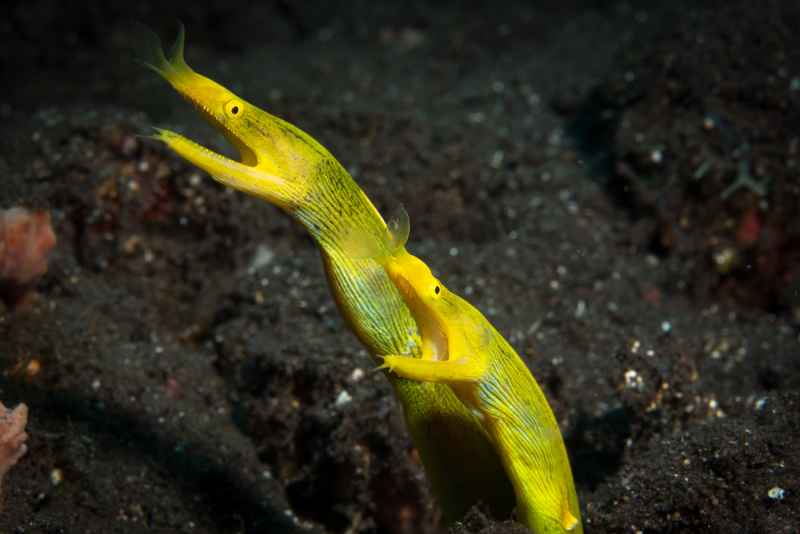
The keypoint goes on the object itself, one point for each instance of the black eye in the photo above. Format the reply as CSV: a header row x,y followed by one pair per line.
x,y
235,110
437,289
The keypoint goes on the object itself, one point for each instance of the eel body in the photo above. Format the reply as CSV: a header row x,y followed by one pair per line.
x,y
283,165
462,349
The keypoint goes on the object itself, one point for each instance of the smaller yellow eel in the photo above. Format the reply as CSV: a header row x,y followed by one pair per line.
x,y
462,349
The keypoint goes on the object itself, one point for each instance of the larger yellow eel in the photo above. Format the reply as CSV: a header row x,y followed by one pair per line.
x,y
286,167
461,348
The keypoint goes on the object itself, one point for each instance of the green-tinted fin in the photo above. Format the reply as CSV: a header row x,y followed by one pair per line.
x,y
399,229
358,244
361,244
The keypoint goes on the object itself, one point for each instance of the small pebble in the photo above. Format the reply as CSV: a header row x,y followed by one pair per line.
x,y
657,156
57,477
633,380
776,493
343,398
357,374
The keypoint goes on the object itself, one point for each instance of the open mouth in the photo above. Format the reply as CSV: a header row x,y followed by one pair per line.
x,y
247,155
190,85
434,335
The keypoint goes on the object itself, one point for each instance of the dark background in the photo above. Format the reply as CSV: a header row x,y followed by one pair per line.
x,y
614,184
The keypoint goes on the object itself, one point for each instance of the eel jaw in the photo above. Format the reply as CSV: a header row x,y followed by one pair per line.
x,y
249,179
432,328
203,93
247,154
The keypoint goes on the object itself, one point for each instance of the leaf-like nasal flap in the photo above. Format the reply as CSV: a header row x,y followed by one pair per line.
x,y
151,53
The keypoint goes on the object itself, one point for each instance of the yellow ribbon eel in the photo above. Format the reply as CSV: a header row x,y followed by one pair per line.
x,y
286,167
462,349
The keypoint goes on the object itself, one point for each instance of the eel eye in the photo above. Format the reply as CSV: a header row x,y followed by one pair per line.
x,y
437,290
234,109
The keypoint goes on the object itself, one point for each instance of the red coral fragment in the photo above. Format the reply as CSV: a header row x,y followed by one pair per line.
x,y
26,239
12,437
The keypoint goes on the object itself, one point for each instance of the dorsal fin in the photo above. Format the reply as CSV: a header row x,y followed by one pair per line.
x,y
399,228
360,244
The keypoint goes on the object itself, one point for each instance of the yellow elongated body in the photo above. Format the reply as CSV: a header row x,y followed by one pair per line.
x,y
462,349
288,168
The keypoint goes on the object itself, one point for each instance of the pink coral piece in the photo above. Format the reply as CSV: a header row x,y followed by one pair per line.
x,y
26,239
12,436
